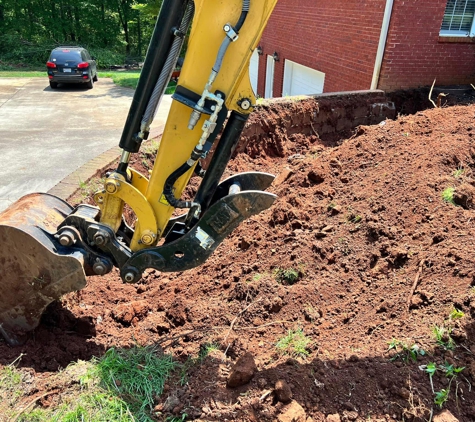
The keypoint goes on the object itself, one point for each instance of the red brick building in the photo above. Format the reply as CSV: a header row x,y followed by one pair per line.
x,y
314,46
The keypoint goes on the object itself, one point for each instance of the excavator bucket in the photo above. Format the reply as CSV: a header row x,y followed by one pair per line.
x,y
34,268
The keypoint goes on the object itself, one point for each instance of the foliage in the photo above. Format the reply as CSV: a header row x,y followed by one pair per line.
x,y
450,371
443,332
287,275
456,314
111,29
138,375
459,172
405,352
448,195
443,337
295,343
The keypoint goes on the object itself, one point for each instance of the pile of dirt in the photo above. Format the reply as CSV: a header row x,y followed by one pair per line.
x,y
359,250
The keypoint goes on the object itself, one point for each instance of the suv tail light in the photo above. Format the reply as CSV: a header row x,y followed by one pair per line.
x,y
51,65
83,65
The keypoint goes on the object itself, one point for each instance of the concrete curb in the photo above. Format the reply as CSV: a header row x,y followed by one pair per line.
x,y
70,184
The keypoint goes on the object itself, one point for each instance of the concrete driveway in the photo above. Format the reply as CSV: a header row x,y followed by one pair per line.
x,y
46,134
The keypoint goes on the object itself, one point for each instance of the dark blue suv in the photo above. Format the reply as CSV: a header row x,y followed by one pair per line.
x,y
71,65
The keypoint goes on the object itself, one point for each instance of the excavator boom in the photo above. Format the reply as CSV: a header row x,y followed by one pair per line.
x,y
47,248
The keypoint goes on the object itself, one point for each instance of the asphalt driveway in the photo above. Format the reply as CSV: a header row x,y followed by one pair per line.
x,y
46,134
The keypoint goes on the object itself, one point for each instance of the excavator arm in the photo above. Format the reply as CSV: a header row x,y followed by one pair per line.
x,y
47,248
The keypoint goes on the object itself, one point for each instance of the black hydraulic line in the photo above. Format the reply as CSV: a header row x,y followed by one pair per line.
x,y
245,10
223,153
170,17
180,171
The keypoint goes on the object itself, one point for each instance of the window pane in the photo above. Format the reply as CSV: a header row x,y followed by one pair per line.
x,y
458,15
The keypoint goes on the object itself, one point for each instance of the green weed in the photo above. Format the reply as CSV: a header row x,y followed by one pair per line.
x,y
295,344
431,368
90,187
450,372
456,314
286,275
448,195
405,352
458,173
443,337
441,397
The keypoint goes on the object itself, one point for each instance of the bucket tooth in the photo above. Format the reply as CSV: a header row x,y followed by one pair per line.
x,y
34,268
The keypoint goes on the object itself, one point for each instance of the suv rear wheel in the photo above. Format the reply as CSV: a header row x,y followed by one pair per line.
x,y
95,78
53,85
90,84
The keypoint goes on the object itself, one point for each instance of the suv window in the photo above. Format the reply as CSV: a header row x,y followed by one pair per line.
x,y
63,56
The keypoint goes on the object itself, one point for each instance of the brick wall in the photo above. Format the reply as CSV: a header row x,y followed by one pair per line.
x,y
338,37
415,54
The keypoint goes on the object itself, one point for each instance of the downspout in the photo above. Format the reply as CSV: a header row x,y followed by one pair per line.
x,y
382,43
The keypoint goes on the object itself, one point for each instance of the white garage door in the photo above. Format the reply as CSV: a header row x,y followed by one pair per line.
x,y
254,70
302,80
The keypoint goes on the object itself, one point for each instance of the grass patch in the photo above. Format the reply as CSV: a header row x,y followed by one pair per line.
x,y
23,74
136,375
295,344
121,386
90,187
127,78
130,79
448,195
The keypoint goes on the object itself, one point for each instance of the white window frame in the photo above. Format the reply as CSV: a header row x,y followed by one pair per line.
x,y
456,33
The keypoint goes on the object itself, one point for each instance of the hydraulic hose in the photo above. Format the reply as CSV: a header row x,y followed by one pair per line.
x,y
227,41
246,4
196,154
167,70
180,171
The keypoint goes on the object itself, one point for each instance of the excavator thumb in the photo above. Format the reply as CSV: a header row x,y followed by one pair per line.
x,y
34,268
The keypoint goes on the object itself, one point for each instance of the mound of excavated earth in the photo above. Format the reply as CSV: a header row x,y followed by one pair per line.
x,y
361,249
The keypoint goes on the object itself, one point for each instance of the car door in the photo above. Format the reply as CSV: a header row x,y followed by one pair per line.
x,y
92,63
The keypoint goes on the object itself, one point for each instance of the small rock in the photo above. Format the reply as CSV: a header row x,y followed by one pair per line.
x,y
243,371
333,418
335,210
276,304
350,415
293,412
445,416
283,391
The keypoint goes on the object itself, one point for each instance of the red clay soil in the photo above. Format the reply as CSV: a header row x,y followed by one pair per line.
x,y
379,256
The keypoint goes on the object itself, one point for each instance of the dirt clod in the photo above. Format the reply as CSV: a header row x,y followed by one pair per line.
x,y
283,391
243,371
445,416
293,412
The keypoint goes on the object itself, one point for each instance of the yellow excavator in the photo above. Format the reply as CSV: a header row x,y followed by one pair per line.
x,y
47,248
